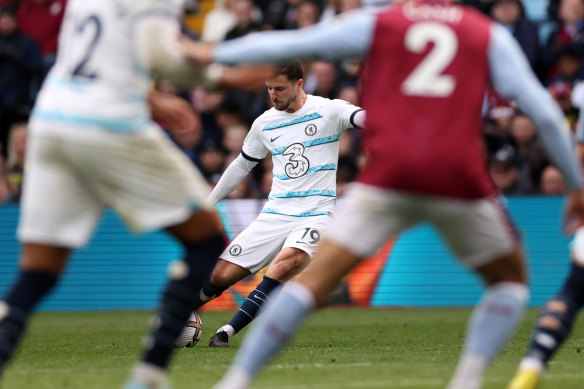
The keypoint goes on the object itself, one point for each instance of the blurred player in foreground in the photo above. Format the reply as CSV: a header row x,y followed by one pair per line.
x,y
558,315
302,133
93,144
426,162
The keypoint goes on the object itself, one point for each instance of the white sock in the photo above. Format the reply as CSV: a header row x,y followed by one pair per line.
x,y
235,378
148,374
469,372
531,363
493,322
228,329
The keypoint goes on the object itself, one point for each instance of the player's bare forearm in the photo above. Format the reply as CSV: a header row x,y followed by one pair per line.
x,y
200,52
246,77
181,119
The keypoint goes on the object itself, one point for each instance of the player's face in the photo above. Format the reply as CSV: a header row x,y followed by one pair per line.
x,y
282,91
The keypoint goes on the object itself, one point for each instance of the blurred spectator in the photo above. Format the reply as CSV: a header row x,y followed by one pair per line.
x,y
20,70
4,192
280,14
570,31
244,23
499,114
212,160
510,172
552,182
219,21
233,138
266,182
331,9
349,5
350,94
322,80
503,169
348,144
16,157
346,172
511,15
561,91
41,20
308,13
568,64
531,157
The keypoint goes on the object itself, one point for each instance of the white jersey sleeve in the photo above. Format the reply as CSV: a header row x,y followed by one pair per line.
x,y
345,113
254,148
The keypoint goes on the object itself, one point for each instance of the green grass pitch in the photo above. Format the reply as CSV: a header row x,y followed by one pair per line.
x,y
337,348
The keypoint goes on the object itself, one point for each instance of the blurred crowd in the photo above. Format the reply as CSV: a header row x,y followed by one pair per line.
x,y
551,35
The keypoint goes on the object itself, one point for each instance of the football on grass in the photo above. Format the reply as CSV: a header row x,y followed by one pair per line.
x,y
192,332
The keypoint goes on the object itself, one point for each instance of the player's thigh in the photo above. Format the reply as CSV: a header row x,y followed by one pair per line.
x,y
149,181
307,233
369,216
478,231
257,245
57,208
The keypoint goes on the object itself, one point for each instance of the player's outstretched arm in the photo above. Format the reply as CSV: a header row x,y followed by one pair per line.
x,y
514,80
348,36
159,51
232,177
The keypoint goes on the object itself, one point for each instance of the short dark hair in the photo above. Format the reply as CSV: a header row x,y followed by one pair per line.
x,y
292,69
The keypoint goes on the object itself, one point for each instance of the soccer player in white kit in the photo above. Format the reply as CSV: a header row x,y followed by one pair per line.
x,y
93,144
302,134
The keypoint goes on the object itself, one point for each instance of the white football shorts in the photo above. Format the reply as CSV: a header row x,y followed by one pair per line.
x,y
258,245
477,231
72,174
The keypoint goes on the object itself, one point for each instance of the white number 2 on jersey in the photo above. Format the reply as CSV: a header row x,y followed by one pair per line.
x,y
427,79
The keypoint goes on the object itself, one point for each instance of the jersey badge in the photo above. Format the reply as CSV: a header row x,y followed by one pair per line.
x,y
310,130
235,250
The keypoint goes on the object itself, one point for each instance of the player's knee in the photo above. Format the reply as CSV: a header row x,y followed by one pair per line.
x,y
287,268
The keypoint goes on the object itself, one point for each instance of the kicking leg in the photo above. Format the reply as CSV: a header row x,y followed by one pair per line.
x,y
224,275
284,315
288,263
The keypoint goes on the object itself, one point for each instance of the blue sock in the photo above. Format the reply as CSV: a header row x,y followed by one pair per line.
x,y
181,297
253,303
20,300
280,320
557,317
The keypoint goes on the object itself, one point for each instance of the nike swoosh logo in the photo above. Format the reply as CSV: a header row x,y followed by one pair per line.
x,y
258,297
273,139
